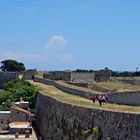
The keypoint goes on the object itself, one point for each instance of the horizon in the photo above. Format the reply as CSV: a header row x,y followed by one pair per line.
x,y
60,35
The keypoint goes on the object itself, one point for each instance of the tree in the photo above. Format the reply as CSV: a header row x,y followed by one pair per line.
x,y
12,65
14,90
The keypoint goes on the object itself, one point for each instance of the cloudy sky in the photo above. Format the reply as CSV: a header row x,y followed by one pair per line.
x,y
71,34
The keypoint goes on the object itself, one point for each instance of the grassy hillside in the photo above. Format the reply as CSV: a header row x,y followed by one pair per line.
x,y
111,86
119,86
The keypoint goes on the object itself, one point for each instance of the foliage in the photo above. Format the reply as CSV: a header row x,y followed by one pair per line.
x,y
89,131
83,71
12,65
107,138
16,89
95,130
125,73
6,105
114,73
86,132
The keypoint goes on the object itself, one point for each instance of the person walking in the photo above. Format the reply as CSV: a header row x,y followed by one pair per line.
x,y
106,97
100,100
94,99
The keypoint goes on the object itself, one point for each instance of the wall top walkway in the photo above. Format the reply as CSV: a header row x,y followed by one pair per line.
x,y
126,98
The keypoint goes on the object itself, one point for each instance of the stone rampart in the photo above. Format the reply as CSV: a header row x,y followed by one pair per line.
x,y
101,75
79,84
29,74
126,98
60,121
63,88
5,77
75,76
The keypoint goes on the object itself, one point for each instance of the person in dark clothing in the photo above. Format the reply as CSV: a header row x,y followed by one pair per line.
x,y
33,77
94,99
100,100
106,97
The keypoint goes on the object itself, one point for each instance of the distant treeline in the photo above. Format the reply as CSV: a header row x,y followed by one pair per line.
x,y
82,70
125,74
114,73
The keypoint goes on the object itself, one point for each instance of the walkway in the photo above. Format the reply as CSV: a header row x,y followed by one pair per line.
x,y
80,101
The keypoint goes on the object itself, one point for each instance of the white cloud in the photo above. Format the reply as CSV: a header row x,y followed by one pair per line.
x,y
56,41
57,50
56,53
22,56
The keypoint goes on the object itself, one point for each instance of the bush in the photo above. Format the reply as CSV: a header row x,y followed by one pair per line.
x,y
16,89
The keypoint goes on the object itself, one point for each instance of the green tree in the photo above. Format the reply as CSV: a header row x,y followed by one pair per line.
x,y
16,89
12,65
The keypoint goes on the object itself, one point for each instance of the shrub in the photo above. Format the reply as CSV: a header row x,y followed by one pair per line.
x,y
16,89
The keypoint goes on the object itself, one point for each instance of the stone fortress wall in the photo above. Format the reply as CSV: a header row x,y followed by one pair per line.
x,y
5,77
101,75
29,74
126,98
85,76
67,122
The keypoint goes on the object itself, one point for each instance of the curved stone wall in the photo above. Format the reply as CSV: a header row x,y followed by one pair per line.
x,y
60,121
65,89
127,98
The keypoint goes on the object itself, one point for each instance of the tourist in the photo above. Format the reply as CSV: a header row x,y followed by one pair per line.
x,y
100,100
94,99
103,99
106,97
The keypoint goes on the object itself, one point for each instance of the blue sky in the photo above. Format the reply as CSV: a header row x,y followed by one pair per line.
x,y
71,34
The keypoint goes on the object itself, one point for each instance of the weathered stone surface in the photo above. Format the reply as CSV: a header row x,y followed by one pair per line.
x,y
60,121
5,77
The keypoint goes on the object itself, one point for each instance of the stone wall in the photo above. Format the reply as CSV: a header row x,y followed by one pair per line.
x,y
5,77
65,89
29,74
61,75
79,84
99,76
85,76
60,121
127,98
102,75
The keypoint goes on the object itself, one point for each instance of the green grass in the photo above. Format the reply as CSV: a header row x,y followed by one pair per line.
x,y
61,96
